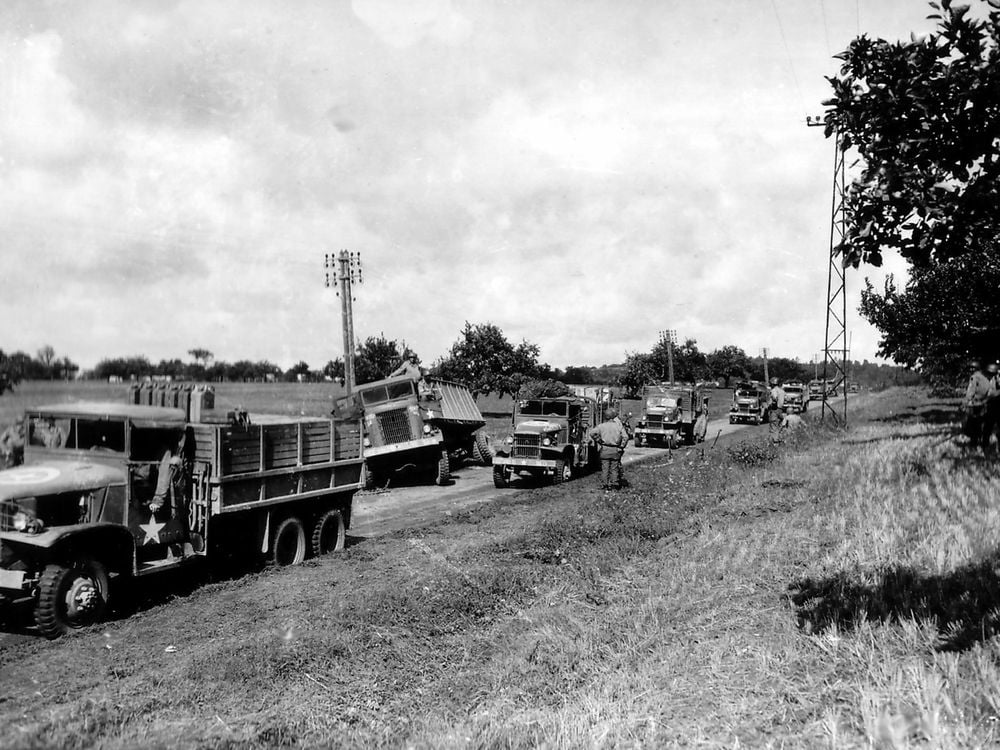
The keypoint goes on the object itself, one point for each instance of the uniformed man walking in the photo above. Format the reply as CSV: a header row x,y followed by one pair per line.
x,y
775,410
611,439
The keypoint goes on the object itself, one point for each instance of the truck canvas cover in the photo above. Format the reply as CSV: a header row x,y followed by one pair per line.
x,y
55,478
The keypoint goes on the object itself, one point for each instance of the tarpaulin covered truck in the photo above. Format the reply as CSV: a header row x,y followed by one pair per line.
x,y
669,415
124,491
412,421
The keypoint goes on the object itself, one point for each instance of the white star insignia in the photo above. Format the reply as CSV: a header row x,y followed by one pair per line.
x,y
151,530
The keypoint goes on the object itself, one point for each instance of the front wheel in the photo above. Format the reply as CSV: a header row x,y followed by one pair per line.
x,y
329,533
289,544
501,477
562,472
70,598
443,469
482,447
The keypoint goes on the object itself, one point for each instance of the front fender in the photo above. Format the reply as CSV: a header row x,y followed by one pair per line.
x,y
110,543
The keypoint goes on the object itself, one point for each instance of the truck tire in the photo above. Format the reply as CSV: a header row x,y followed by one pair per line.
x,y
329,534
443,470
481,447
71,597
288,545
501,477
561,472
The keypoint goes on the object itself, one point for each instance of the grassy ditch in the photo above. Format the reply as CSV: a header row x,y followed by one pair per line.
x,y
838,590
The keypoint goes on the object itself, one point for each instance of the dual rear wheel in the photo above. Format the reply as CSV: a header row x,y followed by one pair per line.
x,y
290,546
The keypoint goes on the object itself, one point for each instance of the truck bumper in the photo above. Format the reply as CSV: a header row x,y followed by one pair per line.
x,y
524,463
409,445
647,431
13,582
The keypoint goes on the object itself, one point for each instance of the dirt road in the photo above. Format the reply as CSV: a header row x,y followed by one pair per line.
x,y
380,513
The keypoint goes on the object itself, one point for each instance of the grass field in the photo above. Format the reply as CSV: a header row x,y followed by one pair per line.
x,y
840,590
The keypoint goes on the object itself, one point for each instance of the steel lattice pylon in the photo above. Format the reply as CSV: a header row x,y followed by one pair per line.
x,y
835,347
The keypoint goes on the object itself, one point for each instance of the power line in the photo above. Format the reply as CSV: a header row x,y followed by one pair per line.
x,y
788,52
826,29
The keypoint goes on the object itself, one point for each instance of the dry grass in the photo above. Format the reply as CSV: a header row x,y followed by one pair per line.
x,y
842,593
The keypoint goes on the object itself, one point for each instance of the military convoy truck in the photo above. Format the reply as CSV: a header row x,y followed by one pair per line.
x,y
549,437
415,422
114,491
750,400
796,398
669,415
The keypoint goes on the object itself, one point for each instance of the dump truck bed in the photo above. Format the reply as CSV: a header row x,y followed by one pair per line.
x,y
457,404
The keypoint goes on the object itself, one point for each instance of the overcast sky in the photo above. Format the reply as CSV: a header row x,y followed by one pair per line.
x,y
581,173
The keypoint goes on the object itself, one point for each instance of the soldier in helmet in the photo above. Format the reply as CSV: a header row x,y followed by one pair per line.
x,y
611,437
775,410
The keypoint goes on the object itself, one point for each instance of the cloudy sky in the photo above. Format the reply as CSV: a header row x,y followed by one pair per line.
x,y
582,173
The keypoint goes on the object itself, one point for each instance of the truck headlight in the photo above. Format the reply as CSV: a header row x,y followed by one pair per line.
x,y
427,429
546,441
26,522
509,440
368,443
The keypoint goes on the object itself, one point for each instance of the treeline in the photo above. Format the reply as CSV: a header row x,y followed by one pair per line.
x,y
45,365
482,358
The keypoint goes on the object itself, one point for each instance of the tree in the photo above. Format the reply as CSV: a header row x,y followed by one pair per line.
x,y
924,118
963,295
334,370
378,356
123,367
543,388
728,362
689,363
298,372
487,362
579,375
46,354
201,356
638,371
10,374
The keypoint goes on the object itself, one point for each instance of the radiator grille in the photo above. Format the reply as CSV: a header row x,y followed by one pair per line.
x,y
655,421
527,446
395,426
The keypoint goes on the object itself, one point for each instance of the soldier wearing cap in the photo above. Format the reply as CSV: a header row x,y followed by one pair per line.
x,y
775,410
611,437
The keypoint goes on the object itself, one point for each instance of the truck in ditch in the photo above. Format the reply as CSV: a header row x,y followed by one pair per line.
x,y
412,422
750,400
111,492
669,416
796,397
549,438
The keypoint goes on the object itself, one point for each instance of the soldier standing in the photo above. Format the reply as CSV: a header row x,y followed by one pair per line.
x,y
775,410
977,397
611,438
992,406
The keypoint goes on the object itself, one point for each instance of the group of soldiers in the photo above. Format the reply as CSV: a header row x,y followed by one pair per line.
x,y
982,405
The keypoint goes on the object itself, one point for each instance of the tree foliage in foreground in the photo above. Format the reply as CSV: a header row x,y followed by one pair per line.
x,y
924,117
377,357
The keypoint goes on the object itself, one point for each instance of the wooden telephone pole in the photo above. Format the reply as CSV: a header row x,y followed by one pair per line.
x,y
767,380
342,271
669,338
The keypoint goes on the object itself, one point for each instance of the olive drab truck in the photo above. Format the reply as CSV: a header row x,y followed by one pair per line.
x,y
669,415
796,398
549,437
113,491
416,422
750,402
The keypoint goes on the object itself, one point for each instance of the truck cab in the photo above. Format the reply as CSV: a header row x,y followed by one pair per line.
x,y
411,421
669,415
796,398
750,400
549,437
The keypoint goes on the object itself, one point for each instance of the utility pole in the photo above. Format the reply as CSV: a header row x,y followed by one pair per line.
x,y
669,337
835,346
767,380
343,270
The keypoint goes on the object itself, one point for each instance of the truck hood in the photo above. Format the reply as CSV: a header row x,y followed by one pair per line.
x,y
56,477
537,427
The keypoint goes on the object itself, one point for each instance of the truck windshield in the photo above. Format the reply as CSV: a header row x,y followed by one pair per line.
x,y
77,434
544,408
662,402
389,392
744,393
